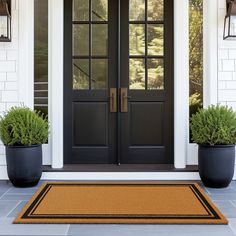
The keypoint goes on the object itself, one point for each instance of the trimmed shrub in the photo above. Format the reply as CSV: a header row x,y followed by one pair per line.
x,y
21,126
215,125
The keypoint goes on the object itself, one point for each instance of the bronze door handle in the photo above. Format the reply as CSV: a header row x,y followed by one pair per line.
x,y
113,100
124,100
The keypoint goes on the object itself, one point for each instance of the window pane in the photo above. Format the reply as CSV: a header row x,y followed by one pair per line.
x,y
137,73
41,55
155,10
99,74
136,10
137,39
80,74
195,56
155,39
81,40
81,10
99,10
99,40
155,74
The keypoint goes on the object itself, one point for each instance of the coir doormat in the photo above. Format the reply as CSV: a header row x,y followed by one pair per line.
x,y
121,203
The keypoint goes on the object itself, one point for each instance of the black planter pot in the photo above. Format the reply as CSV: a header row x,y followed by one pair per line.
x,y
24,165
216,165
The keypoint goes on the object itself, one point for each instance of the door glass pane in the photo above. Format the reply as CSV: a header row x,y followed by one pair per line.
x,y
137,10
81,10
41,55
137,73
99,40
155,10
137,39
155,39
155,74
99,10
99,74
81,40
80,74
195,57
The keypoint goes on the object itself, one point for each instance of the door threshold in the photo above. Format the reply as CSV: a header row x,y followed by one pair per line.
x,y
120,168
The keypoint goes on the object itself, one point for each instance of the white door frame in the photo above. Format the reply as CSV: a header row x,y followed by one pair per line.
x,y
56,58
180,84
181,76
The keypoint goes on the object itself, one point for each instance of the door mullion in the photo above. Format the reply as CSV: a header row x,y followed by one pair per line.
x,y
146,47
118,148
90,43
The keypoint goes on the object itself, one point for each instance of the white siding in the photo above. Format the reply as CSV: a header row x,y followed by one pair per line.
x,y
227,63
9,87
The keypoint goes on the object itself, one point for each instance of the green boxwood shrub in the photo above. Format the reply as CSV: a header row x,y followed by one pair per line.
x,y
21,126
215,125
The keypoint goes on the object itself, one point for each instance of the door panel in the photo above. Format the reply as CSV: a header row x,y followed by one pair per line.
x,y
147,71
90,71
90,124
149,133
118,81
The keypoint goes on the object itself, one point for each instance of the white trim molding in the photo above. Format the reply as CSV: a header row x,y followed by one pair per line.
x,y
26,52
56,32
181,81
210,52
56,35
56,81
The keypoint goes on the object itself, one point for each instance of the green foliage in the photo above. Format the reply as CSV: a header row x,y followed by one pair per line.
x,y
98,74
215,125
195,103
155,67
21,126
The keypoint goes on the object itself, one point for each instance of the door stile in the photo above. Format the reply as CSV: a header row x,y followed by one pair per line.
x,y
118,126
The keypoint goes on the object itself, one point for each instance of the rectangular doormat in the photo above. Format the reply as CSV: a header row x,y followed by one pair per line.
x,y
121,203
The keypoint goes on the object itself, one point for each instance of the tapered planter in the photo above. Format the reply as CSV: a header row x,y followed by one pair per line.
x,y
216,165
24,165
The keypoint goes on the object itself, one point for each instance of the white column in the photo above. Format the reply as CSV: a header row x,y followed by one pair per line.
x,y
210,55
181,84
26,52
56,22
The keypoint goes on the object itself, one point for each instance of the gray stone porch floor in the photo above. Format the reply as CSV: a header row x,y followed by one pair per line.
x,y
13,199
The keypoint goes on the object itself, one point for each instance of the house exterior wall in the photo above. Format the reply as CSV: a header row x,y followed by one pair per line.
x,y
9,71
226,63
12,86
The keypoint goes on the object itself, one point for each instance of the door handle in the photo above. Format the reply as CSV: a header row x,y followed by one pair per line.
x,y
124,100
113,100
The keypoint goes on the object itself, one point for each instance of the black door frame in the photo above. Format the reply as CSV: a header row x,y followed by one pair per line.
x,y
169,73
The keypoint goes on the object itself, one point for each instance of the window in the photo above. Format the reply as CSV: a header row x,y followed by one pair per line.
x,y
146,44
195,56
90,44
41,55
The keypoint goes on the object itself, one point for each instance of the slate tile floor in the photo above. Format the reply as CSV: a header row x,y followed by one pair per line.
x,y
12,200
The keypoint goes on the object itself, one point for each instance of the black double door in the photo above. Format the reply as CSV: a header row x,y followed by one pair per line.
x,y
118,81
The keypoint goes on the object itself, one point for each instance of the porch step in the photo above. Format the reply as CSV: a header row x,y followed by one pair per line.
x,y
121,168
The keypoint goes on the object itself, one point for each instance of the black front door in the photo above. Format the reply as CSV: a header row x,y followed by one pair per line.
x,y
118,81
